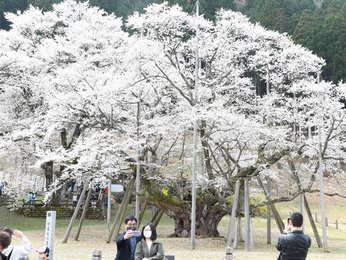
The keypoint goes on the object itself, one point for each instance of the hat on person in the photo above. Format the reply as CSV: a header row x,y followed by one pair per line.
x,y
43,249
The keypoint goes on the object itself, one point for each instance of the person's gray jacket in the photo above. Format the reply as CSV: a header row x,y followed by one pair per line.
x,y
293,245
155,252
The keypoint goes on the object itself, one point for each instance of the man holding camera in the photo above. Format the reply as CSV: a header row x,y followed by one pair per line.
x,y
127,241
293,244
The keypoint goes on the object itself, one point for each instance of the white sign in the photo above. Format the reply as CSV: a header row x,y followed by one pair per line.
x,y
50,232
117,188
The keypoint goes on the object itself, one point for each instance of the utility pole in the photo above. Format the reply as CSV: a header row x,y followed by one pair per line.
x,y
320,171
138,168
231,226
194,161
267,81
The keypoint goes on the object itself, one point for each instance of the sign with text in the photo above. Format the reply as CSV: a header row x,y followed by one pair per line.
x,y
118,188
50,232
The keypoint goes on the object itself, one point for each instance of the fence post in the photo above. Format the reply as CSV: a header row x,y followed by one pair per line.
x,y
97,255
229,253
336,224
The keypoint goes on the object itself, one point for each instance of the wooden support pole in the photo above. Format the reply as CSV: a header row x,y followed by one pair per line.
x,y
230,232
247,215
158,217
154,216
312,223
143,208
237,235
302,208
81,198
276,214
109,204
269,224
122,208
122,215
251,233
86,206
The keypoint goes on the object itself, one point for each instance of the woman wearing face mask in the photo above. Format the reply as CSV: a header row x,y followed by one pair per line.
x,y
149,248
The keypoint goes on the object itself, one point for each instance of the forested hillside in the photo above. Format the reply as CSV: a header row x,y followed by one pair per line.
x,y
316,24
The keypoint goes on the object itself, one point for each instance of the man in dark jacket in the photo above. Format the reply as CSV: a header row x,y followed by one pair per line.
x,y
294,244
127,241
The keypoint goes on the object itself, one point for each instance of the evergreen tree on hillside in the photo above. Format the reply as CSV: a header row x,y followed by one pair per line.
x,y
279,15
323,31
310,30
45,5
268,13
293,10
335,25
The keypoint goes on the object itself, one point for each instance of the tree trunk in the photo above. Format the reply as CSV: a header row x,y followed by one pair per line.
x,y
206,154
209,209
206,222
63,138
48,172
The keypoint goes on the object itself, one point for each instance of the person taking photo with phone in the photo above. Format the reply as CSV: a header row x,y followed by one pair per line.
x,y
149,247
127,241
7,250
293,244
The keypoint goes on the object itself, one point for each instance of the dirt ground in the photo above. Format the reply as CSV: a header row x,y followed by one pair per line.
x,y
93,237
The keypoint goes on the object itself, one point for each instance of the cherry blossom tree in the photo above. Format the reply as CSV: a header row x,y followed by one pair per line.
x,y
57,64
82,94
241,133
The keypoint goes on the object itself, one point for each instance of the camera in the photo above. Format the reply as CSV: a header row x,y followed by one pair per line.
x,y
136,233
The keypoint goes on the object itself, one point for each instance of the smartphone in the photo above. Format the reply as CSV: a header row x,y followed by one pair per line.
x,y
288,220
136,233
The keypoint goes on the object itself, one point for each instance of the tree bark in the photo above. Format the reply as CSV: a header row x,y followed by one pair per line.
x,y
205,147
48,172
209,209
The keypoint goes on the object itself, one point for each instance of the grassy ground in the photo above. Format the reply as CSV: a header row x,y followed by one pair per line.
x,y
94,232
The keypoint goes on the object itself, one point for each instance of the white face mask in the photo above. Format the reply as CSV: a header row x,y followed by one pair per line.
x,y
147,234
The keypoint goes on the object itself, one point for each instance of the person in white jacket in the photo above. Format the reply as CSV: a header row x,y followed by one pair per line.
x,y
7,250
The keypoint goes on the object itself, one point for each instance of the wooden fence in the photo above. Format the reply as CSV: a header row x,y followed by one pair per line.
x,y
335,223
